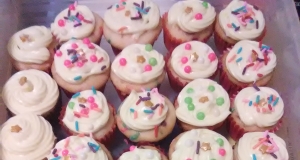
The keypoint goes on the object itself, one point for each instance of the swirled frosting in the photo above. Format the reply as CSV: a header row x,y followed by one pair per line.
x,y
138,63
192,15
144,110
87,112
202,144
241,20
249,61
262,108
76,21
194,59
30,91
78,59
30,45
26,136
81,148
136,153
203,102
262,146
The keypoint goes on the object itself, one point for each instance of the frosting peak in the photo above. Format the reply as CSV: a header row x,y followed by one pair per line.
x,y
140,153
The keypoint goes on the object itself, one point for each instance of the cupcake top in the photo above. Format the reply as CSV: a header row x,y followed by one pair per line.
x,y
143,111
241,20
30,91
30,45
78,59
191,16
249,61
140,153
202,144
87,112
138,63
76,21
261,146
263,107
26,136
192,60
132,16
81,148
203,102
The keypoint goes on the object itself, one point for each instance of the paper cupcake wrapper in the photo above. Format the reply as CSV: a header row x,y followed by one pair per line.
x,y
70,94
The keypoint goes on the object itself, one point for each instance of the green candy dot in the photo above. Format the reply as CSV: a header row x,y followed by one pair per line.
x,y
200,115
71,105
191,107
205,4
211,88
220,101
188,100
190,90
148,47
152,61
220,142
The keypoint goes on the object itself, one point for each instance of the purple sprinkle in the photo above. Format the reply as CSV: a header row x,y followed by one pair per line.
x,y
54,151
255,87
273,155
135,18
66,18
69,13
148,94
255,7
78,24
103,67
92,148
144,98
244,71
259,59
235,13
143,3
77,14
257,24
71,51
109,7
148,9
237,28
198,147
154,108
81,105
136,4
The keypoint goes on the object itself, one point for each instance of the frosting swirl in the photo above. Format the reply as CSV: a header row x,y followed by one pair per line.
x,y
30,91
241,20
194,59
262,108
203,102
202,144
138,63
141,153
30,45
26,136
87,112
78,59
144,110
248,61
192,15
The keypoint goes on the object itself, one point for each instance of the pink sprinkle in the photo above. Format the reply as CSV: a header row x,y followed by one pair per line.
x,y
122,61
232,58
198,16
212,57
246,100
229,25
91,46
91,99
79,64
85,111
187,69
120,8
61,23
93,58
58,53
135,115
93,106
242,22
97,109
67,62
266,133
86,41
65,152
132,148
148,67
80,16
184,60
71,7
100,59
74,45
259,66
67,142
188,46
222,152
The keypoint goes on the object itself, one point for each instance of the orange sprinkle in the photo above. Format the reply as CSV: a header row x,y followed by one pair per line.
x,y
122,29
259,143
232,58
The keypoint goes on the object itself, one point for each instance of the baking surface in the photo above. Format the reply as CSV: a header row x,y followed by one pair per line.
x,y
283,35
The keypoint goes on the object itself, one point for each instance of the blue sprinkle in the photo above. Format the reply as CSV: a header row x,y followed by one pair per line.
x,y
75,18
93,147
148,89
131,110
257,99
143,11
148,111
239,59
76,126
270,99
276,101
239,9
56,158
77,78
233,25
251,21
250,103
94,90
76,95
73,38
254,157
240,50
265,47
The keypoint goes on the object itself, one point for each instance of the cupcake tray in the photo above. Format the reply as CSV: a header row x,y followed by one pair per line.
x,y
283,34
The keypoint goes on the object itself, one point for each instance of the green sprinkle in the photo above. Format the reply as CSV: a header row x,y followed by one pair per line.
x,y
77,78
135,136
188,100
94,90
205,4
76,125
211,88
76,95
71,105
190,90
200,115
220,101
152,61
220,142
148,47
191,107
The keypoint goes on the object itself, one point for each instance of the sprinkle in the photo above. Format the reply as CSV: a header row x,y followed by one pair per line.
x,y
156,131
198,147
135,115
255,87
77,78
94,90
56,158
93,147
76,126
103,67
276,101
253,156
54,151
237,28
234,13
257,24
232,58
238,60
76,95
136,4
239,50
229,25
260,75
270,107
148,111
233,25
132,110
259,143
78,24
137,17
273,155
247,66
122,29
257,99
270,99
110,7
154,108
266,59
67,142
160,110
239,9
135,136
144,98
250,103
87,21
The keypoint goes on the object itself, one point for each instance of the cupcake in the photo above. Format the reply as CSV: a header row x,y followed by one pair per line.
x,y
137,66
80,65
81,147
88,113
143,152
255,111
260,146
77,21
239,21
131,21
26,136
189,61
30,91
202,103
200,144
146,116
187,21
248,63
32,48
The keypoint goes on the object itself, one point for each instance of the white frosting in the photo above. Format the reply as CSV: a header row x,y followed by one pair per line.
x,y
93,115
198,59
141,154
249,29
84,67
134,71
186,146
34,140
184,15
30,45
209,101
249,140
37,95
243,58
68,30
78,147
133,112
246,106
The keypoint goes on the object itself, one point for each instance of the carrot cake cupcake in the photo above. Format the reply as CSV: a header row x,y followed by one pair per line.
x,y
143,152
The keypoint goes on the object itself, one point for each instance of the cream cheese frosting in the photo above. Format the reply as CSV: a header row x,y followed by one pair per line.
x,y
87,112
194,59
262,146
249,61
26,136
30,91
241,20
191,16
140,153
29,45
203,103
202,144
76,60
138,63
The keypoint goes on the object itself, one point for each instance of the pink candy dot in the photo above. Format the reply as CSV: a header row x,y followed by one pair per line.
x,y
222,152
58,53
61,23
65,152
184,60
86,41
74,45
91,99
91,46
122,61
79,64
94,105
80,17
212,57
198,16
132,148
148,67
67,62
93,58
187,69
85,111
72,7
188,46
